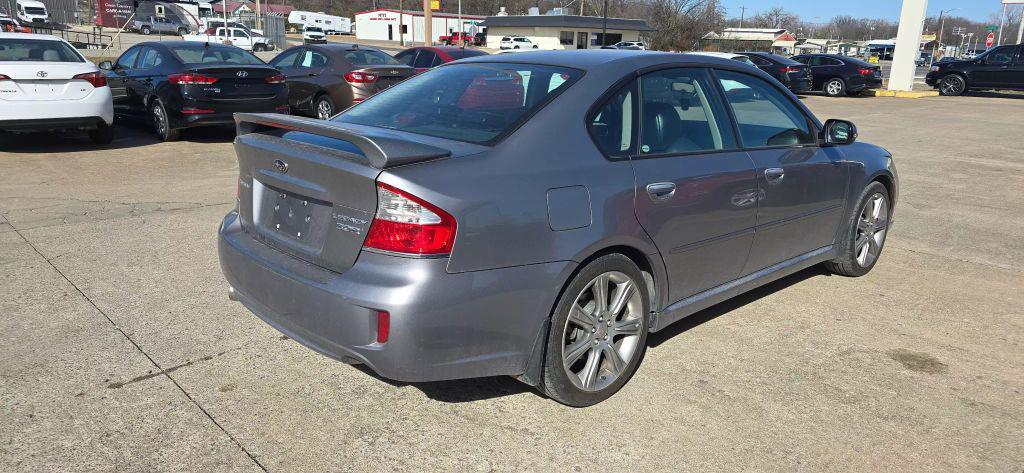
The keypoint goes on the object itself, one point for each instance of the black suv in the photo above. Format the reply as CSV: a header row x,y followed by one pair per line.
x,y
841,75
1001,67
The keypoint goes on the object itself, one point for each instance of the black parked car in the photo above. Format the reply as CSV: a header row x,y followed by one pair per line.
x,y
837,75
998,68
182,84
324,79
794,75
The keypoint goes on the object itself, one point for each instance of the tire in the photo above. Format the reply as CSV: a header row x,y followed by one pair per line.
x,y
323,107
258,48
867,225
589,374
145,30
952,85
517,47
834,87
103,134
161,123
535,46
182,32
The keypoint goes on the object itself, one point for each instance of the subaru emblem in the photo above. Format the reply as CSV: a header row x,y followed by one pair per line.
x,y
242,74
281,166
42,74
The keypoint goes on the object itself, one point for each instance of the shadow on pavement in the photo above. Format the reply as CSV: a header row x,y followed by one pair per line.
x,y
126,136
713,312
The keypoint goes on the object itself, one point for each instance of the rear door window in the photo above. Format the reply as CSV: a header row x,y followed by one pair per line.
x,y
286,60
424,60
477,103
150,58
765,117
613,124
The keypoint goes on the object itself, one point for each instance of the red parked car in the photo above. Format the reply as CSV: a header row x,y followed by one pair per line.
x,y
456,39
425,57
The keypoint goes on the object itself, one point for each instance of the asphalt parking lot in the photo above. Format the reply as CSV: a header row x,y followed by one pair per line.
x,y
119,349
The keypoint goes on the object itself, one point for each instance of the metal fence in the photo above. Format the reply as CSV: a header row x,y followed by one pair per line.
x,y
274,25
61,12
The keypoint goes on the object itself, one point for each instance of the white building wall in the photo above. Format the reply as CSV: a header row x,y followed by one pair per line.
x,y
550,38
374,26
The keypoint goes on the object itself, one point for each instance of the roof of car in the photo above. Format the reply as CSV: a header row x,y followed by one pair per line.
x,y
341,47
594,58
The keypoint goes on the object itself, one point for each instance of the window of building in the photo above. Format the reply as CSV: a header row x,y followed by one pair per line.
x,y
565,37
612,38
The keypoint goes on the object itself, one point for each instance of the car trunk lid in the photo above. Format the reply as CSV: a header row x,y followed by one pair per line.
x,y
44,81
308,187
235,83
387,76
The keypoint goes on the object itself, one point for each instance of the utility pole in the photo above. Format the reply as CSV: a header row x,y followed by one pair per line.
x,y
428,24
401,21
938,39
604,26
1020,29
743,14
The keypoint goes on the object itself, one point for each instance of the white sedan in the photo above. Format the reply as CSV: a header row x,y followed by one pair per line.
x,y
45,85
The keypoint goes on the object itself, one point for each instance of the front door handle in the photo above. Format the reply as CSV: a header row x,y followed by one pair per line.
x,y
774,175
661,191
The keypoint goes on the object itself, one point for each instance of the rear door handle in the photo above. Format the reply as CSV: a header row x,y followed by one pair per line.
x,y
774,175
660,191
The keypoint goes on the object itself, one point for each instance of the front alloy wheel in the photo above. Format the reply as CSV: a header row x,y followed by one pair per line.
x,y
952,85
871,229
324,108
598,332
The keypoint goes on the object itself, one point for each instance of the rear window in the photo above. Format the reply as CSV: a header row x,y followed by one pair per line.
x,y
369,57
856,62
37,50
785,61
204,53
476,103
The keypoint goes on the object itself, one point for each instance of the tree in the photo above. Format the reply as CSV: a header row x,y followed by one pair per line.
x,y
776,17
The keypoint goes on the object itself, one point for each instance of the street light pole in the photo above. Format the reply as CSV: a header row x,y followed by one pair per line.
x,y
938,39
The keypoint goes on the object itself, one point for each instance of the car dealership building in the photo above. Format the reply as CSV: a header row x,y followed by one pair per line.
x,y
563,31
382,24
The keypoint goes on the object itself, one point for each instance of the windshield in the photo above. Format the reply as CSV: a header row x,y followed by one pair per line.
x,y
477,102
37,50
369,57
314,30
206,54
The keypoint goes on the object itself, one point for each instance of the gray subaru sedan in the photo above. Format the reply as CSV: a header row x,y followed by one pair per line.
x,y
538,214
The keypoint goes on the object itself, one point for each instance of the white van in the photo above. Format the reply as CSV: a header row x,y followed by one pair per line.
x,y
32,11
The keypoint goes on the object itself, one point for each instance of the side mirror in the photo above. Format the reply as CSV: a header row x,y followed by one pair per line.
x,y
838,132
106,65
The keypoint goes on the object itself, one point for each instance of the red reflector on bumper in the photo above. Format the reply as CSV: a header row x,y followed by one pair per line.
x,y
195,111
383,326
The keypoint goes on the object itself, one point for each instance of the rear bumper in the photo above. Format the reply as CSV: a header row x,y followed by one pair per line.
x,y
98,104
48,124
443,326
223,111
866,83
799,85
932,79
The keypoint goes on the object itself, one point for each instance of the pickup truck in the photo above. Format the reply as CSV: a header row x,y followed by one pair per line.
x,y
155,24
456,39
235,36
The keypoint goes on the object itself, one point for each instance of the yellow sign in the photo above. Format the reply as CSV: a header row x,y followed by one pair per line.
x,y
927,37
873,59
435,4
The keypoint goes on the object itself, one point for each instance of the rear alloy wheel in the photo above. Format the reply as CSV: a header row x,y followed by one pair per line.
x,y
182,32
868,224
258,48
835,87
161,124
598,333
952,85
324,107
103,134
145,30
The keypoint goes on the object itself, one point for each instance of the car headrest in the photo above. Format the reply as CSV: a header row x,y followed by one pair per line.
x,y
35,53
51,55
661,127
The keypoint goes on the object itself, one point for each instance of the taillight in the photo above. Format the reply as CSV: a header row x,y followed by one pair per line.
x,y
3,77
407,224
787,70
360,77
97,79
866,72
189,78
275,79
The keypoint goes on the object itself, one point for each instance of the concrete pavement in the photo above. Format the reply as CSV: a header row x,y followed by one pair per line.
x,y
119,349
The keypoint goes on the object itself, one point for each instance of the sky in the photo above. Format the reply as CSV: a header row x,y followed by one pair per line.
x,y
978,10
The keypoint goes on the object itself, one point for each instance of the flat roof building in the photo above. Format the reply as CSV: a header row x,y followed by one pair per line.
x,y
563,31
382,24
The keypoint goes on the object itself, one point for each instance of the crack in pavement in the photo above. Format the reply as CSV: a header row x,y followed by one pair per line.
x,y
160,370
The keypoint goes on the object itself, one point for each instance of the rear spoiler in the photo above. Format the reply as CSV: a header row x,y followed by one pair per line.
x,y
382,149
